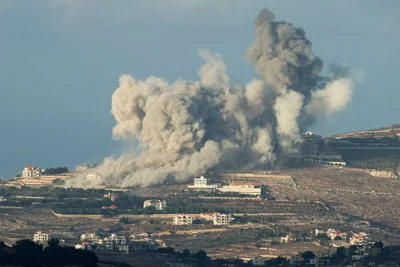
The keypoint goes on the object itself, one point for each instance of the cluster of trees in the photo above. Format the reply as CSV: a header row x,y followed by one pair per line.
x,y
52,192
126,203
58,181
55,171
29,253
193,208
200,256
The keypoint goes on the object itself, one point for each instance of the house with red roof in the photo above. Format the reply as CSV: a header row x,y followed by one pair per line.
x,y
112,207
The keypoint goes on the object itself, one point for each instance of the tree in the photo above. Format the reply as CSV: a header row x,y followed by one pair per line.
x,y
149,210
186,253
378,244
201,255
321,236
352,249
54,243
308,255
25,202
57,170
341,252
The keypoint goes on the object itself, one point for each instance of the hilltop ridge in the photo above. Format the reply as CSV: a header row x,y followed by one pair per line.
x,y
383,132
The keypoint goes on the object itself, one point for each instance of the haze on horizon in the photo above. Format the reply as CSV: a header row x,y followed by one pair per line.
x,y
62,61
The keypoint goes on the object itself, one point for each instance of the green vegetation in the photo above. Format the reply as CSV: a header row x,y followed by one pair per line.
x,y
29,253
55,171
58,181
385,159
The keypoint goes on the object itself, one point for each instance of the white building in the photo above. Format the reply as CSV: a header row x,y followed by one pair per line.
x,y
202,183
182,219
93,177
216,217
319,231
84,246
358,239
221,219
82,168
89,236
342,235
158,204
30,172
118,239
241,189
208,216
39,236
108,243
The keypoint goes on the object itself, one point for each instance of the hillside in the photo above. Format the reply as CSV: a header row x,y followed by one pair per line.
x,y
384,132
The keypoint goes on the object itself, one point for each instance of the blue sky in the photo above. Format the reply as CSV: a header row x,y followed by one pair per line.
x,y
60,61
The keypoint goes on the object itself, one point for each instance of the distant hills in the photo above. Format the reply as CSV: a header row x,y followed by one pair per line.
x,y
384,132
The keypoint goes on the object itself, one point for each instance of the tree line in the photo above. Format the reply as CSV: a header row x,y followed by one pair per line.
x,y
29,253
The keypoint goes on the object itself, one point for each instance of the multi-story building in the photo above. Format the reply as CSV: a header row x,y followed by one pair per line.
x,y
311,145
183,219
200,182
82,168
221,219
39,236
89,236
158,204
108,243
114,241
358,239
314,149
216,217
31,172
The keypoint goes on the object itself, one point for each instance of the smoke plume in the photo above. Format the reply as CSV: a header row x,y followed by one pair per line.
x,y
188,128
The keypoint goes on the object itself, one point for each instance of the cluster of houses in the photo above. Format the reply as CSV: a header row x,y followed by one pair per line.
x,y
365,252
156,203
343,239
215,217
111,195
119,243
357,258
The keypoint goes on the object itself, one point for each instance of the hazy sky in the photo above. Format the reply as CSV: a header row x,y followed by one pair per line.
x,y
60,61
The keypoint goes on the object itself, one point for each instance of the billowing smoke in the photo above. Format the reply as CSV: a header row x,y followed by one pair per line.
x,y
188,128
